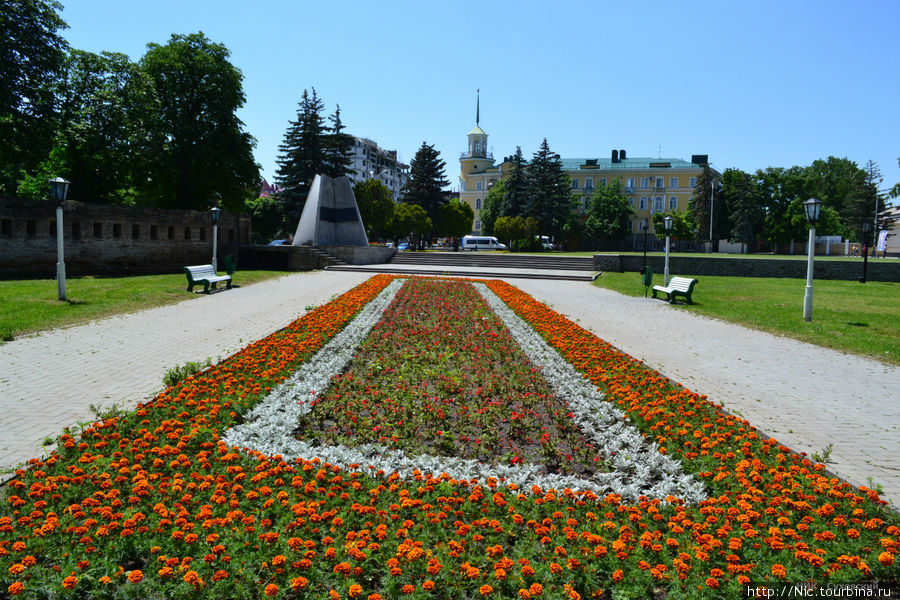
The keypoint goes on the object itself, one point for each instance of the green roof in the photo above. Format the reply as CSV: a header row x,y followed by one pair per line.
x,y
606,164
477,131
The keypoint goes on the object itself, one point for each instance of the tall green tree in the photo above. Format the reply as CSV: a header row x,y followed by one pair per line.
x,y
426,183
778,188
202,156
515,198
609,213
32,55
741,197
549,195
410,221
338,147
108,105
301,155
492,206
266,218
454,220
865,201
376,207
707,195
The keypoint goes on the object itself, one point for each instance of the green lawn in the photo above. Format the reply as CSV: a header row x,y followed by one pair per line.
x,y
860,318
28,306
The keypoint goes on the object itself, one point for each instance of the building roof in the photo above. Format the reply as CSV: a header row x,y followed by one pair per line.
x,y
477,131
606,164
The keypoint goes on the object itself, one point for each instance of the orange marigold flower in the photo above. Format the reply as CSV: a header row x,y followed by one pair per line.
x,y
355,590
712,582
524,594
136,576
70,582
886,559
535,589
486,590
374,597
779,571
16,569
271,590
299,583
16,588
428,585
219,575
618,575
408,588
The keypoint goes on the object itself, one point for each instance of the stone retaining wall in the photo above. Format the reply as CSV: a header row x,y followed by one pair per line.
x,y
103,239
878,269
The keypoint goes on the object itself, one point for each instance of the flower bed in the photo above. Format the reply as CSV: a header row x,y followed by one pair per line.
x,y
156,504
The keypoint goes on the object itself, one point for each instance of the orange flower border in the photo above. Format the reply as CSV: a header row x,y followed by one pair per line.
x,y
152,503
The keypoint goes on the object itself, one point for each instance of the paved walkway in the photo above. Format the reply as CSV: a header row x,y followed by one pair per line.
x,y
805,396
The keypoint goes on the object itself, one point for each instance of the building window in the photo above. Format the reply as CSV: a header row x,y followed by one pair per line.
x,y
98,230
476,226
643,205
31,228
673,203
629,183
588,183
171,232
6,227
603,181
187,233
693,182
477,186
659,182
462,184
645,183
117,230
154,232
136,232
673,182
575,184
477,203
658,204
76,230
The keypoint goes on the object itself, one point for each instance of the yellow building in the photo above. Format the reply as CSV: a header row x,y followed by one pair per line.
x,y
652,184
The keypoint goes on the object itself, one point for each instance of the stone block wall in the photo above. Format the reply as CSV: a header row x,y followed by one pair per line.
x,y
102,239
877,270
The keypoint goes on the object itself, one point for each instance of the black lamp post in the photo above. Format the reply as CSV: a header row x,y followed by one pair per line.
x,y
59,189
812,208
646,226
216,214
866,235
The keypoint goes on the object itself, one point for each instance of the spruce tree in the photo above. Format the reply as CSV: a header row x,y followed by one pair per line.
x,y
338,147
426,181
549,196
302,155
744,209
516,191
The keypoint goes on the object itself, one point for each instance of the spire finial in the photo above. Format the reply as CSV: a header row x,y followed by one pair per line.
x,y
477,106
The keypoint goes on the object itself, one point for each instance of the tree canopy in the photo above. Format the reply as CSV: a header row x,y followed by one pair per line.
x,y
609,213
376,207
201,153
426,183
549,193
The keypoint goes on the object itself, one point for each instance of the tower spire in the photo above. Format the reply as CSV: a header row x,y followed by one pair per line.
x,y
477,105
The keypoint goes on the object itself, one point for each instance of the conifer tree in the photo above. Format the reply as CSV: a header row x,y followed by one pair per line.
x,y
515,198
338,147
302,155
425,186
549,196
741,197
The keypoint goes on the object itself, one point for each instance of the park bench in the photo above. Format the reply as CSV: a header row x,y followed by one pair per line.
x,y
678,286
206,275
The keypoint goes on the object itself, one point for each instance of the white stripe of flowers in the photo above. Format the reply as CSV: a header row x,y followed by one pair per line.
x,y
640,470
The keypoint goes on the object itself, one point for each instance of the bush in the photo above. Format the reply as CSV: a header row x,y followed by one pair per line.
x,y
178,373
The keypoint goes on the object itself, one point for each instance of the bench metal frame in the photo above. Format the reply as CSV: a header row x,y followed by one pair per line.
x,y
206,275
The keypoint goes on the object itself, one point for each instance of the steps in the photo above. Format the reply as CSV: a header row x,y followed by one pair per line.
x,y
495,260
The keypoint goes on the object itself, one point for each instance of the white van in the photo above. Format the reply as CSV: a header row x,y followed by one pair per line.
x,y
481,242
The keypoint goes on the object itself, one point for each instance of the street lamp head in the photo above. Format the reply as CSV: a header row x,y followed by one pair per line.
x,y
668,221
216,214
645,227
59,189
812,207
867,227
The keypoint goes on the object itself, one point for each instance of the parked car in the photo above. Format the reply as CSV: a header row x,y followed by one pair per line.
x,y
481,242
403,246
280,243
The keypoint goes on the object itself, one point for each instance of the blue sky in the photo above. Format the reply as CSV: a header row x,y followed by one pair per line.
x,y
751,84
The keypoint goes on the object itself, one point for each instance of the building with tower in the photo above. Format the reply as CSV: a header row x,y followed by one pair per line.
x,y
652,184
